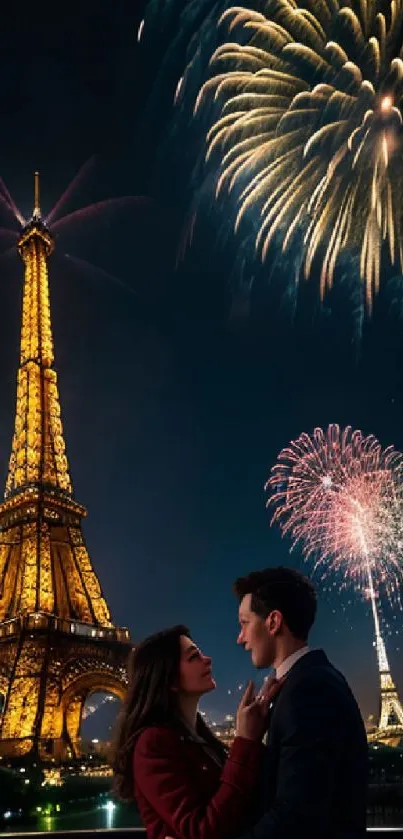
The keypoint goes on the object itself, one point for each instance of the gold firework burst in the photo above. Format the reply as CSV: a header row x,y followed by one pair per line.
x,y
310,128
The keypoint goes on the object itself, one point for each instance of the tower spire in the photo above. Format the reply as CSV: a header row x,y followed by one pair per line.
x,y
37,208
38,451
38,484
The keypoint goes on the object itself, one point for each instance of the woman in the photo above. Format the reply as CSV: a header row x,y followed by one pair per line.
x,y
185,784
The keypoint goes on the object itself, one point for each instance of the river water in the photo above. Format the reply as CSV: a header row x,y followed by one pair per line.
x,y
112,815
104,816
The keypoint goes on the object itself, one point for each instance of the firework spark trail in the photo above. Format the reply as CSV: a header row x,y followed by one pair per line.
x,y
340,496
186,238
97,272
140,30
77,182
10,203
5,205
94,211
10,253
8,235
309,128
99,209
178,32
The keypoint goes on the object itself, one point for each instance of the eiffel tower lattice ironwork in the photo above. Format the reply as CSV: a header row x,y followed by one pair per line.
x,y
57,640
390,723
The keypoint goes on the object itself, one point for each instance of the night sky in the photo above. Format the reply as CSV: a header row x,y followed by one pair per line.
x,y
176,395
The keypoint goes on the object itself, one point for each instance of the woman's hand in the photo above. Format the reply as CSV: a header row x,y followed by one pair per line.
x,y
251,718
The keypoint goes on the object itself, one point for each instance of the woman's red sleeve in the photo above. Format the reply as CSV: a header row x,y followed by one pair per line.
x,y
161,773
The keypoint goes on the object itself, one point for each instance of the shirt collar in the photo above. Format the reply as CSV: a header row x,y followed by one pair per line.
x,y
289,662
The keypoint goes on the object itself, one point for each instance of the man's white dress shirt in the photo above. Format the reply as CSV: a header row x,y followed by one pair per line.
x,y
289,662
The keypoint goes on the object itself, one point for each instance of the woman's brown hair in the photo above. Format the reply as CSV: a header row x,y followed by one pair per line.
x,y
152,671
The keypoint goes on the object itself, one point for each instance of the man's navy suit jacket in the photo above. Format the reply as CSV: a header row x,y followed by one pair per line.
x,y
316,769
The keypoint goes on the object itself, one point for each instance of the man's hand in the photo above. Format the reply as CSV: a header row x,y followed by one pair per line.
x,y
251,718
270,689
252,711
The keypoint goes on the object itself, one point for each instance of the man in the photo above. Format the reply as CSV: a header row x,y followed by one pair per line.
x,y
316,774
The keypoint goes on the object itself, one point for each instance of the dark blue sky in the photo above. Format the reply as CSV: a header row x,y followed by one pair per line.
x,y
175,402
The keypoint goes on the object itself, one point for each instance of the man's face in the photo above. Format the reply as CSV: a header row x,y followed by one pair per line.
x,y
256,634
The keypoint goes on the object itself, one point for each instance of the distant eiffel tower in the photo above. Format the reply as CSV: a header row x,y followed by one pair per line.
x,y
390,723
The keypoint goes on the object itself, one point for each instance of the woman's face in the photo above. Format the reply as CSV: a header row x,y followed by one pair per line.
x,y
195,675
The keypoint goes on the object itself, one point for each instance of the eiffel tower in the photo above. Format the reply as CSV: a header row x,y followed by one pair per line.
x,y
390,721
57,640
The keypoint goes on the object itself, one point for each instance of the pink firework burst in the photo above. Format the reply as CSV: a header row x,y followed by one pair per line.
x,y
339,496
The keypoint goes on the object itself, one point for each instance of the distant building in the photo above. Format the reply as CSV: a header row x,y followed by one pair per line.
x,y
225,731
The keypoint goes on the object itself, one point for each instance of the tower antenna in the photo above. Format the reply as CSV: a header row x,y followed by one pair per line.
x,y
37,209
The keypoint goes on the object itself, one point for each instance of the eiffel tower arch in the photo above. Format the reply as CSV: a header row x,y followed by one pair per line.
x,y
58,643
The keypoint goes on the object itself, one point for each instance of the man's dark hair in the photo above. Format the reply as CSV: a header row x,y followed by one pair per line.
x,y
282,589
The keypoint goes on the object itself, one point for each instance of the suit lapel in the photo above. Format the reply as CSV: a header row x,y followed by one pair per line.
x,y
311,659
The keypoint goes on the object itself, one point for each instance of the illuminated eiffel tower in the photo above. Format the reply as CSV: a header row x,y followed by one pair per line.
x,y
390,723
57,641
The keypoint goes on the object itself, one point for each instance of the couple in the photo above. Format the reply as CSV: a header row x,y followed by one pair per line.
x,y
309,779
